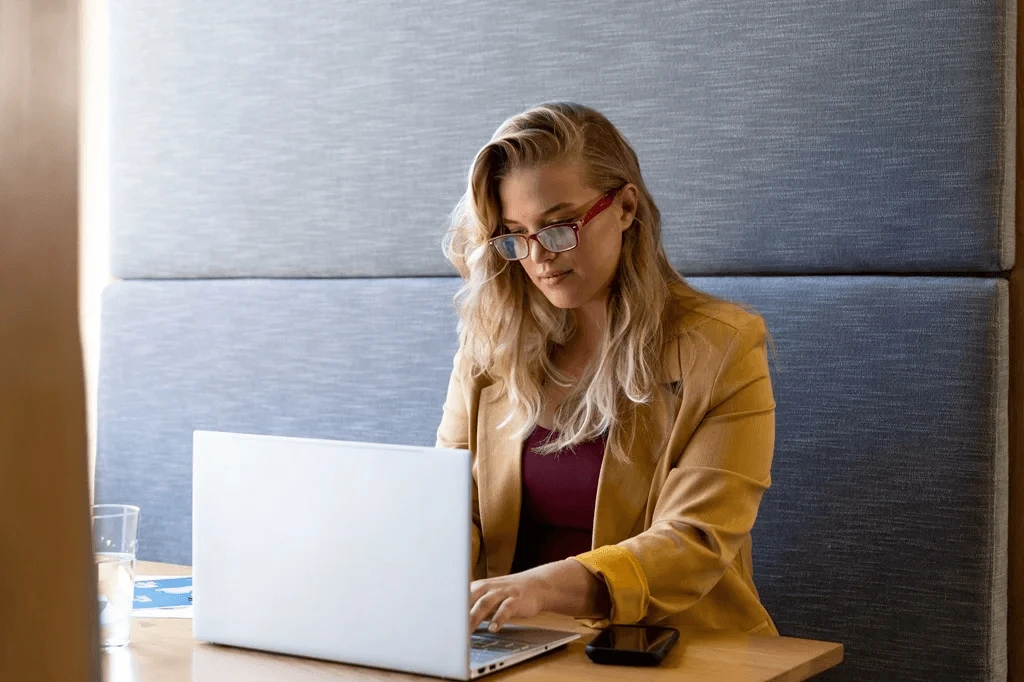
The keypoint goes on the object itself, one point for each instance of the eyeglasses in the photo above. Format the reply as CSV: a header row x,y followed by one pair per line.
x,y
558,237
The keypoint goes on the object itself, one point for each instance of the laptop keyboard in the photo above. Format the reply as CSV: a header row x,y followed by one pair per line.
x,y
487,648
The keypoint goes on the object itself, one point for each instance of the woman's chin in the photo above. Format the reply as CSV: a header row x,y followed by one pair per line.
x,y
562,299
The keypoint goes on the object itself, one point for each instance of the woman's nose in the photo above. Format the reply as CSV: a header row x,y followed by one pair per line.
x,y
538,254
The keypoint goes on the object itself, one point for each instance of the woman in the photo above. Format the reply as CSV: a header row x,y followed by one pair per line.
x,y
621,422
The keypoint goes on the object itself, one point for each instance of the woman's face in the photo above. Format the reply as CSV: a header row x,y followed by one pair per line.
x,y
533,198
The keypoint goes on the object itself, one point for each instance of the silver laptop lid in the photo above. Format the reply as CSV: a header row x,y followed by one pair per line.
x,y
354,552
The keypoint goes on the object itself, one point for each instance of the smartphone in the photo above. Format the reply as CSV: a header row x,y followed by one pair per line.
x,y
632,645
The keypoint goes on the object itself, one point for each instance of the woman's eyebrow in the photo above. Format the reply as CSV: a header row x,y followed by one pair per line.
x,y
554,209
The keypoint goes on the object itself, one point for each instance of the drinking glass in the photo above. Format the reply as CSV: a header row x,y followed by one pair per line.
x,y
115,533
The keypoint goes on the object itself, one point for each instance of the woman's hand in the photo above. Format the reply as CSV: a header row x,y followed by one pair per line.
x,y
565,587
519,595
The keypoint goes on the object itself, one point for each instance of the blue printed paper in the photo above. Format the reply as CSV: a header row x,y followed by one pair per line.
x,y
162,593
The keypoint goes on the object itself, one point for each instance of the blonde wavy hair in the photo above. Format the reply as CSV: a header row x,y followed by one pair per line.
x,y
508,329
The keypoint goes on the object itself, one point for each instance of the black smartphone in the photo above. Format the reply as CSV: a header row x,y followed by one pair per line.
x,y
632,645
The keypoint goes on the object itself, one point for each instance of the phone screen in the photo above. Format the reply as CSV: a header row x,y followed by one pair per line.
x,y
624,638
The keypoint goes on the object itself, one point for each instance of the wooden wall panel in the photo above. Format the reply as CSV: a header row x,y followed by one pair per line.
x,y
47,589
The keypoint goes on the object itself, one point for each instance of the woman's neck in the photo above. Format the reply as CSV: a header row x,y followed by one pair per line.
x,y
591,321
576,354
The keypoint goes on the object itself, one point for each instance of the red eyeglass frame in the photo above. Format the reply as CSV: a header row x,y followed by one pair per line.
x,y
601,204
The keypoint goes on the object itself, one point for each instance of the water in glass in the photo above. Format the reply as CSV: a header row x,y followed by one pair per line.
x,y
116,588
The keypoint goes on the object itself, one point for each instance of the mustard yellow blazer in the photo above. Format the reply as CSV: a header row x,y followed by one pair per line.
x,y
671,525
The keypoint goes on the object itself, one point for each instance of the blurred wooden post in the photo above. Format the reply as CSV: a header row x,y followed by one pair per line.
x,y
47,589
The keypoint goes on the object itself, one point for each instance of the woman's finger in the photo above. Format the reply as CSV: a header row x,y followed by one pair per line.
x,y
477,589
505,611
484,607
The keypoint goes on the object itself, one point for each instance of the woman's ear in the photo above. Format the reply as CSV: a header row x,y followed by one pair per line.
x,y
628,196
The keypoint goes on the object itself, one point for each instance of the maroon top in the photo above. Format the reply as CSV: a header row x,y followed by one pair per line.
x,y
556,518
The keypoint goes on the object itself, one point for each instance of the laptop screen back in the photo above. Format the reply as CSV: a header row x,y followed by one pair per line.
x,y
353,552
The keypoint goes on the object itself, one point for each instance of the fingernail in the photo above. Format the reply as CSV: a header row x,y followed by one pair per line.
x,y
493,627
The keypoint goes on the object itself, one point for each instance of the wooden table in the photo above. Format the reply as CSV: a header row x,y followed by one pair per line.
x,y
163,650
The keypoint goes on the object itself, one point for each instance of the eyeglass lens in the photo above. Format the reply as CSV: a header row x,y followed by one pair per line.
x,y
554,238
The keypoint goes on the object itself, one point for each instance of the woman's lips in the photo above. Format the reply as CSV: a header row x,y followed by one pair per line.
x,y
556,278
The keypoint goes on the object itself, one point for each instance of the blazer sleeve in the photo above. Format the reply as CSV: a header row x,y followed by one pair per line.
x,y
709,501
454,432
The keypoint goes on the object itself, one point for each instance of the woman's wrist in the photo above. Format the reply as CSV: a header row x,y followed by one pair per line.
x,y
567,587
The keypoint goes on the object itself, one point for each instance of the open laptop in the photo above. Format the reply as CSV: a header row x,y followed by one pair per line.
x,y
351,552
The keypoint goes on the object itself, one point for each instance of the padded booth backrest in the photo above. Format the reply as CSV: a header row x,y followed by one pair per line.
x,y
281,176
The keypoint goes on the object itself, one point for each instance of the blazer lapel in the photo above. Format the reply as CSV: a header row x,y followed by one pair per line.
x,y
499,464
624,485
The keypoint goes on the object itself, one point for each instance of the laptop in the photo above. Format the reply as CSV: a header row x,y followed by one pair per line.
x,y
344,551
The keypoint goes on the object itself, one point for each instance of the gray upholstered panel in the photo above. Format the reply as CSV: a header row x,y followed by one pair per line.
x,y
365,360
793,136
886,524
